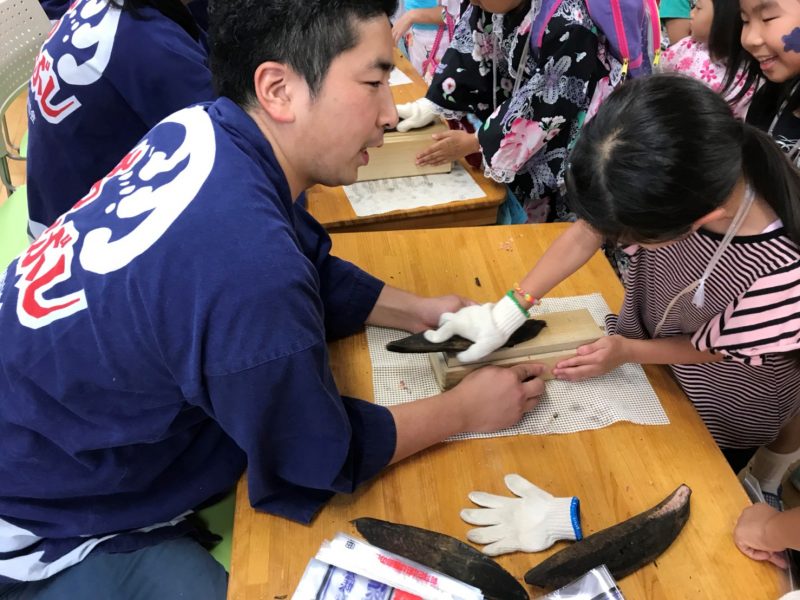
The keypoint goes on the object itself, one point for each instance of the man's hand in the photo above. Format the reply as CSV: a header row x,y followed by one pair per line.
x,y
595,359
448,146
493,398
487,399
431,309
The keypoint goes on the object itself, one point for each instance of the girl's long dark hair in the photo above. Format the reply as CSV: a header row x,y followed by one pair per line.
x,y
727,18
664,151
174,10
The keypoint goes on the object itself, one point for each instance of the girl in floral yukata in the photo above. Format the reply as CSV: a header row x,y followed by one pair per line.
x,y
699,55
531,72
426,27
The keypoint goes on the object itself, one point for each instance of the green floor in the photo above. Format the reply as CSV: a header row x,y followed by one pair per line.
x,y
219,518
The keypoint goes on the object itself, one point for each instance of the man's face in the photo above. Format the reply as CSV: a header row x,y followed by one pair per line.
x,y
352,108
771,33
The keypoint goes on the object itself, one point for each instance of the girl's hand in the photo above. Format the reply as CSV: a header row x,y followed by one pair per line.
x,y
750,535
595,359
401,27
448,146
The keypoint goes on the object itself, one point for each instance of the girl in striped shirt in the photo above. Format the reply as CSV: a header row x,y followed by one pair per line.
x,y
709,210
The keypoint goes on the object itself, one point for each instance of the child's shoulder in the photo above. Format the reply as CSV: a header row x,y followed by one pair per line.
x,y
683,54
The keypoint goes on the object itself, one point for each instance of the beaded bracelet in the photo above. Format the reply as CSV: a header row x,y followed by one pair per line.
x,y
510,294
526,296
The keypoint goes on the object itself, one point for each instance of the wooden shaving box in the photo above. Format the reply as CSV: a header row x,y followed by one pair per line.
x,y
397,156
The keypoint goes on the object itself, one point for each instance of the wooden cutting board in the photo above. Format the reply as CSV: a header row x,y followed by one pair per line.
x,y
565,331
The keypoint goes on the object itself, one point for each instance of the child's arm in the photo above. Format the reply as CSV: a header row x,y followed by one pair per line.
x,y
567,254
608,353
762,532
490,325
415,16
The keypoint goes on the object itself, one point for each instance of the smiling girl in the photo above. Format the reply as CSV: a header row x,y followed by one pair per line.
x,y
770,51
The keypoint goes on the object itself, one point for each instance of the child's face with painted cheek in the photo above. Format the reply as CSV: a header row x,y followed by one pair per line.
x,y
702,15
771,33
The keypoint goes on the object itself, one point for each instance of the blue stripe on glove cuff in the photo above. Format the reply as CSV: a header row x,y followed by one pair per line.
x,y
575,516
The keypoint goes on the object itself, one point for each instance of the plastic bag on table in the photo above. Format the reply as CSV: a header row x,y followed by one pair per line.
x,y
597,584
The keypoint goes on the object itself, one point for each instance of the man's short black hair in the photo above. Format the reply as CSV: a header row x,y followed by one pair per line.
x,y
306,35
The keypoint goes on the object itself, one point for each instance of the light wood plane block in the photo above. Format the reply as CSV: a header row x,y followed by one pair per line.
x,y
564,332
397,157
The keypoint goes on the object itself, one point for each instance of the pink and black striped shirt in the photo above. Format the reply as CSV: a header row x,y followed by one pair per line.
x,y
751,316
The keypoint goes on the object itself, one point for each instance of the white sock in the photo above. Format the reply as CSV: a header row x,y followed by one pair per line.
x,y
769,467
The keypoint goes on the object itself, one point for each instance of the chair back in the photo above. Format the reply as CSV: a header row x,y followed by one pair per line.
x,y
23,30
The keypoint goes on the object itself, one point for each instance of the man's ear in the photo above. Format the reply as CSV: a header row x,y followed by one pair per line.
x,y
715,215
273,90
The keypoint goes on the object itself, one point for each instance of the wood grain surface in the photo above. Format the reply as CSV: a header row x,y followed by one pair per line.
x,y
617,471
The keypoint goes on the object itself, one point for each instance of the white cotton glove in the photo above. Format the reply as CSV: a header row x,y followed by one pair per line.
x,y
488,325
532,522
415,114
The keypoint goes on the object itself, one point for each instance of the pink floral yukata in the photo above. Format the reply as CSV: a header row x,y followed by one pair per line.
x,y
691,58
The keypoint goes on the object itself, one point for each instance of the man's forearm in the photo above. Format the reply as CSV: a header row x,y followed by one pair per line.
x,y
397,309
424,423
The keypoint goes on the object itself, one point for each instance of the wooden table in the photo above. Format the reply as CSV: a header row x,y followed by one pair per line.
x,y
331,207
616,472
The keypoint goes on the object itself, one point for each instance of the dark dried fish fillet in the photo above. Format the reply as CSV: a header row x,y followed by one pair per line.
x,y
418,344
445,554
623,548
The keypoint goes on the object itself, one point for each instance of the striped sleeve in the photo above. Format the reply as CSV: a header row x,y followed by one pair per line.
x,y
763,320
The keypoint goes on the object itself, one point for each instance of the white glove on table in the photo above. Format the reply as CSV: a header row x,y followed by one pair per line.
x,y
415,114
488,325
532,522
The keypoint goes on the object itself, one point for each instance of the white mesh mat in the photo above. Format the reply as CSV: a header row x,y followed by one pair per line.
x,y
625,394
